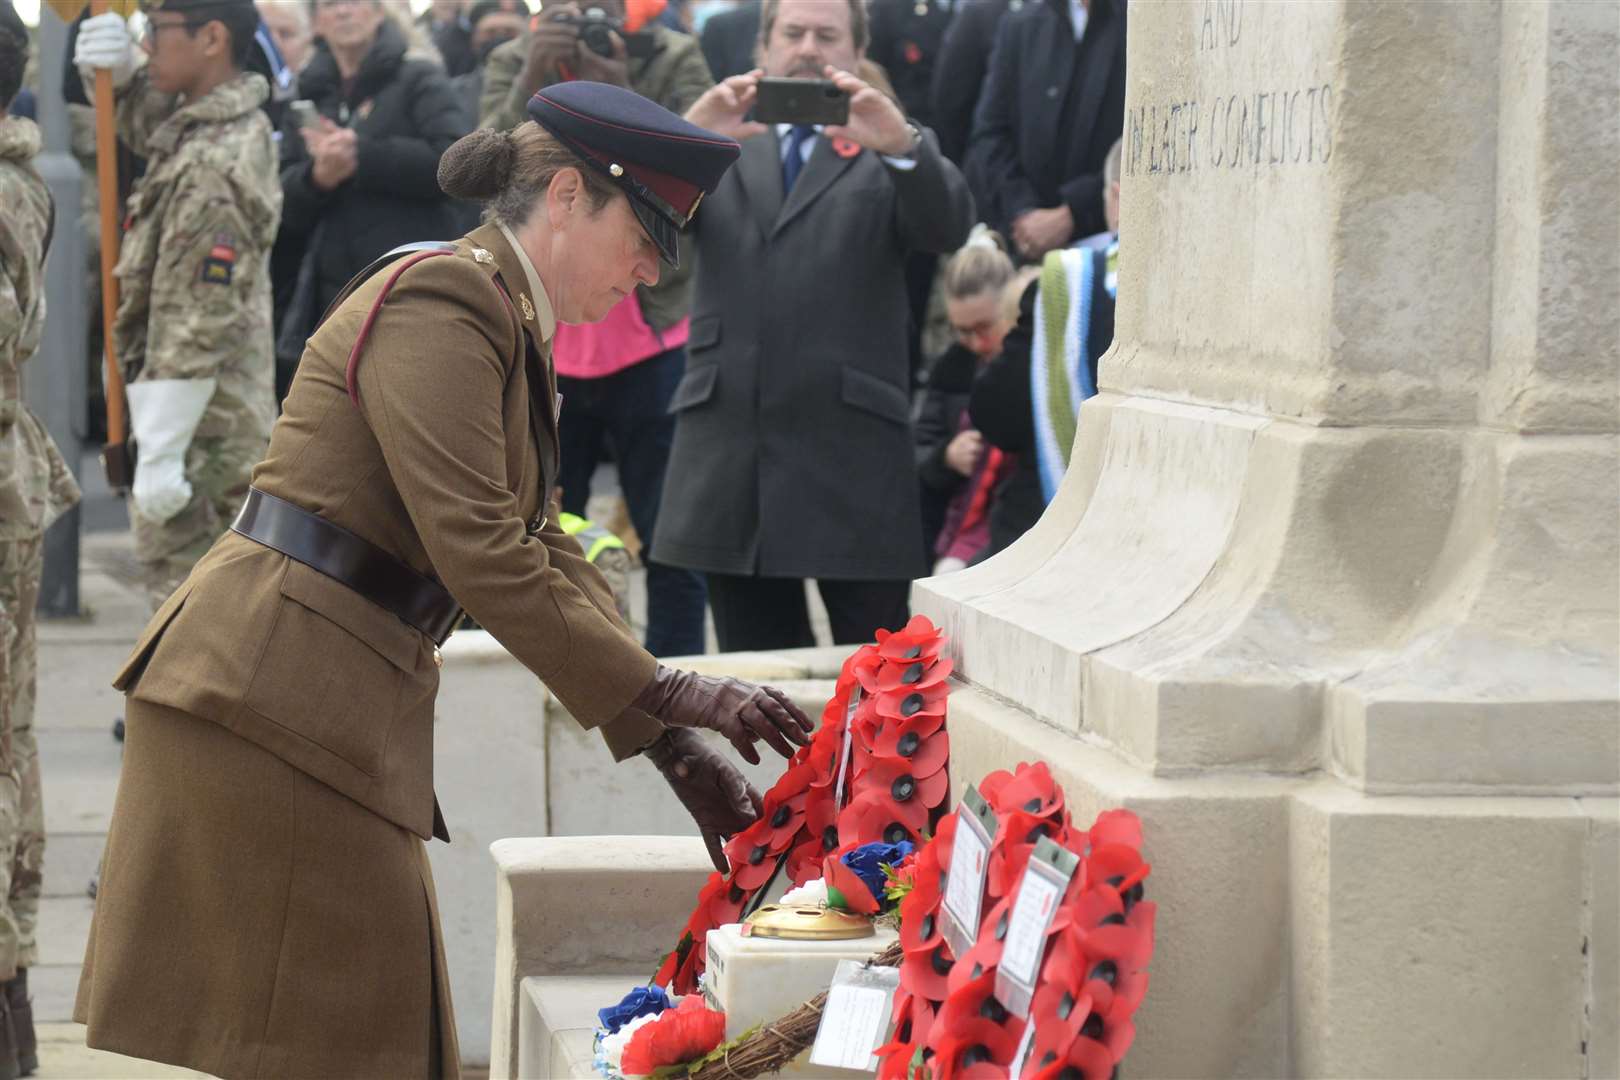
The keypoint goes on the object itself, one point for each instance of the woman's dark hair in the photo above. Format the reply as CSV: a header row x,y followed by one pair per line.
x,y
508,171
242,21
13,53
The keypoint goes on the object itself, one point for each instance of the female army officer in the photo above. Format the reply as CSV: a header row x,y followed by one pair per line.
x,y
266,906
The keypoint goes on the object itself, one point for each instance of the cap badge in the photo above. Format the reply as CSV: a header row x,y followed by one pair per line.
x,y
482,255
528,308
616,169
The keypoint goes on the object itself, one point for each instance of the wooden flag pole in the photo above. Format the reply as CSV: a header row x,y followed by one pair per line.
x,y
114,455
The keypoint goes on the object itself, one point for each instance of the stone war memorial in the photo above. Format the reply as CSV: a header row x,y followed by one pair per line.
x,y
1329,598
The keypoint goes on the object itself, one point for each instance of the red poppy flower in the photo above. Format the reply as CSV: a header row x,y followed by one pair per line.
x,y
908,701
784,822
920,926
1128,942
684,1033
1117,827
804,860
1088,1058
873,816
924,972
918,640
752,860
913,674
973,999
1029,788
976,1048
857,897
918,740
977,962
913,1020
821,819
896,778
1058,1013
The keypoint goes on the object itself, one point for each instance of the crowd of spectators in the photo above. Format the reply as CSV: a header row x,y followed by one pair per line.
x,y
779,408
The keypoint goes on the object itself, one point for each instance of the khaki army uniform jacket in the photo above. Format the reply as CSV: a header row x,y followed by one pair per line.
x,y
36,486
439,465
194,268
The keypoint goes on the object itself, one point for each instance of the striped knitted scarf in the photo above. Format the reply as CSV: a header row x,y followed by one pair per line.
x,y
1060,359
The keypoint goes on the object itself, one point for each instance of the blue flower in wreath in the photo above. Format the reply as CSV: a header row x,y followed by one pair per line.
x,y
642,1001
868,861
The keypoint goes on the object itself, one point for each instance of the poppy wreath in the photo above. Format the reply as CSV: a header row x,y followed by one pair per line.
x,y
875,772
947,1018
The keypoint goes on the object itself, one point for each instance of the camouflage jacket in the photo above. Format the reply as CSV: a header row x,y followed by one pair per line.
x,y
194,269
35,485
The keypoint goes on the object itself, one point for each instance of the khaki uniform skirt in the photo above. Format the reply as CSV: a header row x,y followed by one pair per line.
x,y
251,921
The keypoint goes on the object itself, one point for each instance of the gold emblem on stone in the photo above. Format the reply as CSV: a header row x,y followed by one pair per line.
x,y
803,923
616,169
482,255
528,308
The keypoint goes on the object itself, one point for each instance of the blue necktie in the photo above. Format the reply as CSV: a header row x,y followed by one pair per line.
x,y
793,163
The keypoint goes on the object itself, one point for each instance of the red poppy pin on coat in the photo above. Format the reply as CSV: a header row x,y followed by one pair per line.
x,y
845,148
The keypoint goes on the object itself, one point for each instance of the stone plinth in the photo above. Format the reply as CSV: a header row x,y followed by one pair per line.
x,y
1329,592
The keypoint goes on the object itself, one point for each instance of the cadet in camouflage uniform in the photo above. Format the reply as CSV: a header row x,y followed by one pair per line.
x,y
194,309
36,488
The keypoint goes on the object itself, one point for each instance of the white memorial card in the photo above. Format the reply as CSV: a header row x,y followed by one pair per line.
x,y
963,903
1045,880
1021,1055
855,1019
849,742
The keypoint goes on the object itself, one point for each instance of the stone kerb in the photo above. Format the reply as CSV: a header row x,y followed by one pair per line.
x,y
584,906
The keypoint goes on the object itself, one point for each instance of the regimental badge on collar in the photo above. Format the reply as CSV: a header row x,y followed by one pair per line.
x,y
482,255
528,308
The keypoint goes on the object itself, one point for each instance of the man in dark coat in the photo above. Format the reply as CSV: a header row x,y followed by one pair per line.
x,y
371,181
906,39
1053,103
729,39
793,451
958,71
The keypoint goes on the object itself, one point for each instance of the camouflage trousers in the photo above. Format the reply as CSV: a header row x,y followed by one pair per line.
x,y
22,811
219,471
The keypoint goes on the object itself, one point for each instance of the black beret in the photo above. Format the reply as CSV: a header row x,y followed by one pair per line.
x,y
11,23
214,8
663,164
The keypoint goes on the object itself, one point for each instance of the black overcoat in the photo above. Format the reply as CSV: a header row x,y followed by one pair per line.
x,y
1048,114
793,452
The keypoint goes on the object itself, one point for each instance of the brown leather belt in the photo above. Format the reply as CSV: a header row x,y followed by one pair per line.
x,y
349,560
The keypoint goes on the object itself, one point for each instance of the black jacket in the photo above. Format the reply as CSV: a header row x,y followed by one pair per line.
x,y
405,115
959,70
729,38
1002,407
950,382
907,45
1050,111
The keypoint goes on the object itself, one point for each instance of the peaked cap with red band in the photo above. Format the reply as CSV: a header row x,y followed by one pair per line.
x,y
662,163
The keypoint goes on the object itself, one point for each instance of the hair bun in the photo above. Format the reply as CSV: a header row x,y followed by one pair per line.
x,y
478,166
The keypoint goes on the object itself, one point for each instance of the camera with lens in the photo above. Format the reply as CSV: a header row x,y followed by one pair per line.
x,y
596,29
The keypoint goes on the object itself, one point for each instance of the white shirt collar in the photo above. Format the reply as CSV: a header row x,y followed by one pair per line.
x,y
542,304
1078,15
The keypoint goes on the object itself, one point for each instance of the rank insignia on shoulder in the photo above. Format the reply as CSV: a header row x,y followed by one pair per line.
x,y
482,255
528,308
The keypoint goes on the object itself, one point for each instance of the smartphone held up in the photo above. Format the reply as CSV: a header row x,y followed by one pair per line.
x,y
800,101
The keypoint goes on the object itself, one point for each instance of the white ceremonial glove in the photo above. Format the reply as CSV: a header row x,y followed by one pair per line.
x,y
104,42
165,414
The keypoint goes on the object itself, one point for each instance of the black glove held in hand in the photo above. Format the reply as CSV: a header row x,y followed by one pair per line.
x,y
710,787
740,711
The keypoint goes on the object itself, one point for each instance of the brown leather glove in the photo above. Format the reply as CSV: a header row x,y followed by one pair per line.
x,y
740,711
710,787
